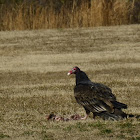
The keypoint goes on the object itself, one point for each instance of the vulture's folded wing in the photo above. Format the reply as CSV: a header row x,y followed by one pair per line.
x,y
105,94
89,100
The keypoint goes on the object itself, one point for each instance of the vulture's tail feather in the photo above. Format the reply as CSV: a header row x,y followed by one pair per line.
x,y
110,116
119,112
119,105
133,116
116,116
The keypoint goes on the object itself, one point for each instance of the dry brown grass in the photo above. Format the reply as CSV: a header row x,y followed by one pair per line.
x,y
87,14
33,81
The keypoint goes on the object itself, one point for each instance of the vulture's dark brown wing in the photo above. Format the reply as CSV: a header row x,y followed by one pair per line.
x,y
95,97
105,94
102,92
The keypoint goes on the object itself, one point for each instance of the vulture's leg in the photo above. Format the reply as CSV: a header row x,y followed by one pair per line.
x,y
87,114
94,115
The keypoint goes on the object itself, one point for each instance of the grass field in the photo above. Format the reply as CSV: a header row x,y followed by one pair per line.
x,y
34,81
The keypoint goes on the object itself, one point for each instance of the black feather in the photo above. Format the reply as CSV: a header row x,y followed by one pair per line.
x,y
97,98
109,116
119,105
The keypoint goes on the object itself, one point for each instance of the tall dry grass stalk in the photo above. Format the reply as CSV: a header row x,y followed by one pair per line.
x,y
86,14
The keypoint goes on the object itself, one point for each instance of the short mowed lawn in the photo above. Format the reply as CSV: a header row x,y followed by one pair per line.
x,y
34,81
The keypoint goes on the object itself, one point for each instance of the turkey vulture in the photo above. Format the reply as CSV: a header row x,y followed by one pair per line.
x,y
96,98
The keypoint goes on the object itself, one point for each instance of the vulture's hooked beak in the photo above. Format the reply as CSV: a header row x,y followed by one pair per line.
x,y
69,73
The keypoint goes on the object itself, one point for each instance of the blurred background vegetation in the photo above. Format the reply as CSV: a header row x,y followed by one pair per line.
x,y
47,14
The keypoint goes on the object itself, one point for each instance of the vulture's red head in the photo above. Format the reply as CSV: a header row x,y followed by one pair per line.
x,y
74,70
